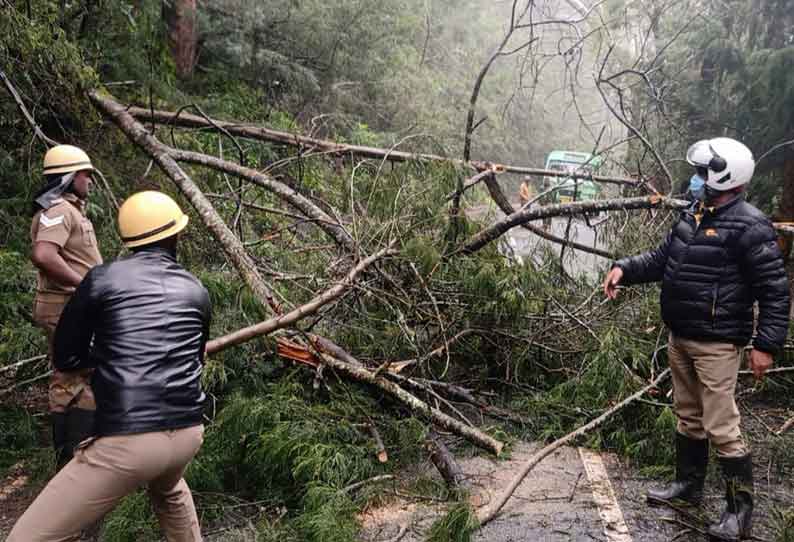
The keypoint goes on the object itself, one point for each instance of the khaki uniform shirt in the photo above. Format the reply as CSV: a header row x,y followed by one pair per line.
x,y
66,225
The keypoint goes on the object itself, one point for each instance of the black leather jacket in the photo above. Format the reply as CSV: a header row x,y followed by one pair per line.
x,y
713,272
142,322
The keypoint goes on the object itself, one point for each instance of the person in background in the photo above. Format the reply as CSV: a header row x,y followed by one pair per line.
x,y
141,323
64,249
720,258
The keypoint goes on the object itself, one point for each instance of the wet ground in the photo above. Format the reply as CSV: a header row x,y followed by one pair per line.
x,y
560,502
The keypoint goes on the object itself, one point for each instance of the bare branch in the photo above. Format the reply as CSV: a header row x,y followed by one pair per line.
x,y
230,244
488,513
21,105
307,309
479,240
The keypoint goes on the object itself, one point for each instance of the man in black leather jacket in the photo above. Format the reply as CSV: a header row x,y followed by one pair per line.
x,y
720,258
141,323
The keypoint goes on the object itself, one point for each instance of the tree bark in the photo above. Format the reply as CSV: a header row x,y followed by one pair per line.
x,y
180,17
230,244
445,462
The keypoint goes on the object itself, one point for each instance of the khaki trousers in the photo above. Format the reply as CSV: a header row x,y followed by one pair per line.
x,y
71,389
107,469
704,384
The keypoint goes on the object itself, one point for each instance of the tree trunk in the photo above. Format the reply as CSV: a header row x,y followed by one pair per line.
x,y
158,152
445,462
181,21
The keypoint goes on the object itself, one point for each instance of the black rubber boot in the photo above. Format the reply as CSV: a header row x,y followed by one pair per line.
x,y
736,522
59,444
79,426
692,459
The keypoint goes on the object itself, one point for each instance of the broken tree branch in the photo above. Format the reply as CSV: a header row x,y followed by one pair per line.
x,y
507,208
333,355
445,462
159,152
22,362
488,513
785,427
267,135
494,231
307,309
21,105
294,198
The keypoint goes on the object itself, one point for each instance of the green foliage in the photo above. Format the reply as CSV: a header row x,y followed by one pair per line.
x,y
458,525
18,435
328,515
131,521
278,443
288,448
783,524
641,432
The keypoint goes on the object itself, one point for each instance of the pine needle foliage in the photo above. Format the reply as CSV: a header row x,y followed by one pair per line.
x,y
458,525
131,521
783,524
18,436
289,446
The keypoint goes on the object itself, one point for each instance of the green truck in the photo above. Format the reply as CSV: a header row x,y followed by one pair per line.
x,y
572,189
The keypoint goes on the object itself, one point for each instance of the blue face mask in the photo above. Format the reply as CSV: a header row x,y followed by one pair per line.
x,y
697,187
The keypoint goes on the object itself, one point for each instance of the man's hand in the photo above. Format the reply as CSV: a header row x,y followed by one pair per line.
x,y
760,362
612,281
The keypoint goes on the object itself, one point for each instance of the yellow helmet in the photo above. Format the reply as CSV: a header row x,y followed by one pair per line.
x,y
66,158
149,216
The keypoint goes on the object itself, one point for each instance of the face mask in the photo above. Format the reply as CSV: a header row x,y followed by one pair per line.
x,y
697,187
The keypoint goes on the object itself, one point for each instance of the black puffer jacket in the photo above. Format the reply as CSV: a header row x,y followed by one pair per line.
x,y
149,321
712,273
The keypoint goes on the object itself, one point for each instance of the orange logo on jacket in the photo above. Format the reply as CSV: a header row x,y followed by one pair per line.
x,y
711,232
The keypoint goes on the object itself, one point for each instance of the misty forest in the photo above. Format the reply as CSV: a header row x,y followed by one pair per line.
x,y
410,338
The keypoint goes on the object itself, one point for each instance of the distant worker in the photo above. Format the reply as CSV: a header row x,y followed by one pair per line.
x,y
720,257
64,250
524,193
141,323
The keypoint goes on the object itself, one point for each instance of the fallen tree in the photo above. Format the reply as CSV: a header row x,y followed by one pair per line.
x,y
259,133
507,208
307,309
333,355
167,157
495,230
160,153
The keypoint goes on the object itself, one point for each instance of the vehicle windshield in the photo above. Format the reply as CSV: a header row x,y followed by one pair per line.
x,y
570,167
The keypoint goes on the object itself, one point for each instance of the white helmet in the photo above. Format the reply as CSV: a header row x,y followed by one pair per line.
x,y
726,163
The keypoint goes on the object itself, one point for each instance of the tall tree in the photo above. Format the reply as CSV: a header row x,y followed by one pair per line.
x,y
181,21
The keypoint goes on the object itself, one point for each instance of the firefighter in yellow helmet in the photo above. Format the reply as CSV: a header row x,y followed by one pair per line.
x,y
64,249
141,324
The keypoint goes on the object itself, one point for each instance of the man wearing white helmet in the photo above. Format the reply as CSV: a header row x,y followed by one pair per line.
x,y
64,249
720,257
